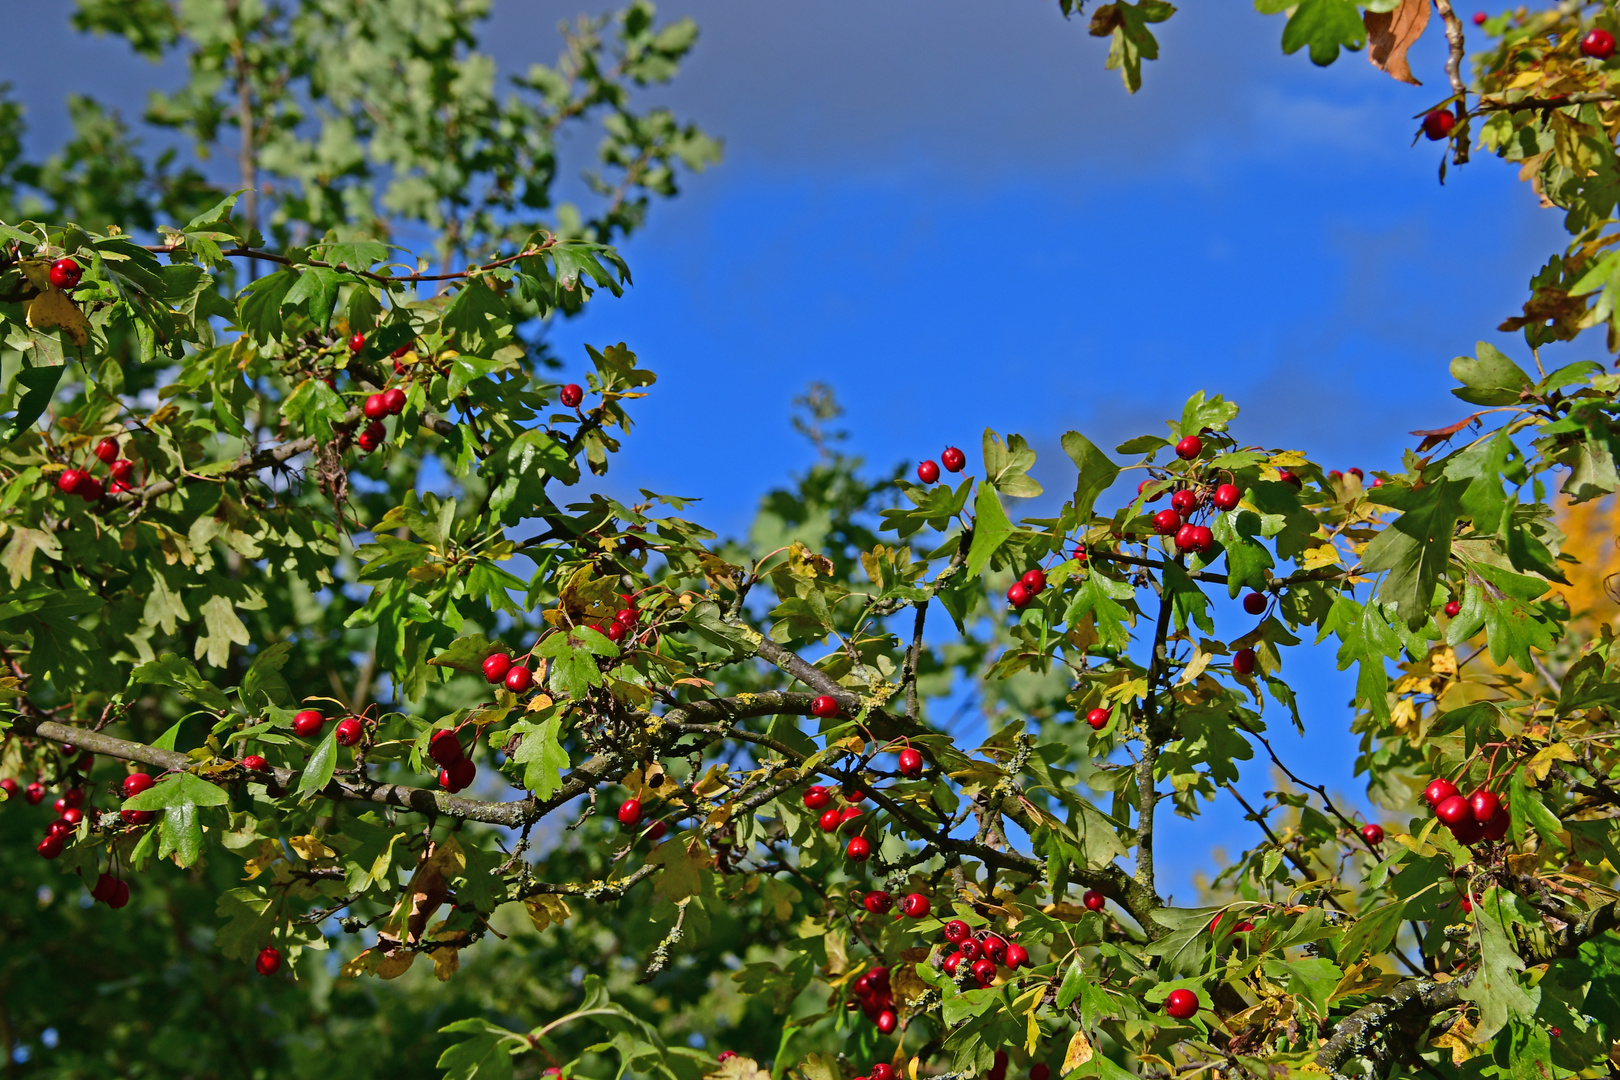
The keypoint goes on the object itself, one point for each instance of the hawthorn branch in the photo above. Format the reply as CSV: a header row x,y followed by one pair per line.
x,y
242,251
1455,48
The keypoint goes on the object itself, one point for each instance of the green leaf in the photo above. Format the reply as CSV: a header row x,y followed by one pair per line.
x,y
1073,980
40,383
486,1057
541,754
263,684
222,629
171,670
1006,465
1374,932
178,789
1097,472
1495,988
1324,26
318,770
1200,414
1132,42
991,528
573,656
247,922
1415,548
1489,378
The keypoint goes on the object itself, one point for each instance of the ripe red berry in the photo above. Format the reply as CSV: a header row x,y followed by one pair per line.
x,y
1166,522
1040,1071
135,783
1373,834
1189,447
357,341
629,812
1598,44
401,351
496,665
1034,580
34,793
65,273
255,763
137,817
887,1021
376,407
90,489
1467,831
830,819
627,617
995,949
915,906
1181,1004
123,470
458,775
1202,540
572,395
1018,596
1080,553
1254,603
1098,718
1453,607
444,748
69,480
1141,489
1017,955
348,731
106,885
970,950
984,971
615,631
1185,501
1438,124
957,931
1243,927
725,1055
1438,791
824,705
1485,805
308,723
1243,661
928,472
1287,476
1496,827
268,961
1479,18
953,459
51,846
519,679
911,763
656,830
394,401
883,1071
1186,537
877,902
858,849
371,438
1453,811
816,797
1093,900
10,787
71,816
107,450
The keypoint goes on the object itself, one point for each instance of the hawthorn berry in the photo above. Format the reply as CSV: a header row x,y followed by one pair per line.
x,y
572,395
847,815
630,812
928,472
1098,718
1186,537
1185,500
357,341
1141,489
1452,608
65,273
957,931
1438,791
107,450
74,797
656,830
1189,447
1496,827
137,817
1243,661
1201,540
915,906
824,705
70,479
615,631
883,1071
953,459
1598,44
71,816
1181,1004
118,487
858,849
1040,1071
348,731
626,617
1453,811
971,950
10,787
457,775
1485,805
308,723
1166,522
1438,124
995,949
123,470
268,961
394,400
51,846
1254,603
255,763
104,888
519,679
816,797
376,407
1017,955
1093,900
496,665
1080,553
1373,834
135,783
1479,18
401,351
1243,927
887,1021
1034,580
1287,476
90,489
371,437
34,793
1018,596
877,902
952,962
911,763
830,820
984,971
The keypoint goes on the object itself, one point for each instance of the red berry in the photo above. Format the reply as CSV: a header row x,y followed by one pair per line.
x,y
308,723
1287,476
348,731
1018,596
357,341
106,885
120,896
1202,540
376,407
883,1071
725,1055
1468,830
627,617
816,797
858,849
1033,580
1080,554
72,816
1479,18
1181,1004
1144,485
928,472
887,1021
572,395
90,489
1452,608
911,763
1093,900
107,450
496,665
1438,124
394,401
1598,44
34,793
1186,537
135,783
824,705
995,949
656,830
10,787
1243,927
51,846
629,812
1017,956
255,763
444,748
123,469
69,480
1485,805
457,775
830,820
1040,1071
1453,811
984,971
915,906
65,273
401,351
369,439
1373,834
615,631
953,459
1189,447
268,961
1254,603
1438,791
1243,661
519,679
957,931
1166,522
1185,500
137,817
970,950
877,902
1496,828
1098,718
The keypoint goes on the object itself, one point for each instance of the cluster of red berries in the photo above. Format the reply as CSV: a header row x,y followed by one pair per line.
x,y
69,812
499,670
1186,502
87,487
875,998
623,624
981,952
953,460
912,906
1027,588
456,769
630,816
817,797
390,402
65,273
134,784
110,890
1476,818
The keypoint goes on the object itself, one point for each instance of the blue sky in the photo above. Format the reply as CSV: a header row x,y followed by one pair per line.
x,y
949,211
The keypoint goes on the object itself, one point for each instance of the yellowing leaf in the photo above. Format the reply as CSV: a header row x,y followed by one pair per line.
x,y
1543,761
384,965
546,909
1456,1038
52,309
906,983
1078,1053
309,848
1320,556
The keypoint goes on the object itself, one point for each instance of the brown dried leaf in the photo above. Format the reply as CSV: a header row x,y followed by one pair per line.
x,y
1436,436
1391,33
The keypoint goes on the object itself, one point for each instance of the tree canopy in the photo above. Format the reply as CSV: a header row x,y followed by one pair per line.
x,y
350,726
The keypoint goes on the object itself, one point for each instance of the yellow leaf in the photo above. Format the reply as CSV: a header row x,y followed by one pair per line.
x,y
1320,556
537,703
713,782
384,965
309,848
1443,660
52,308
1032,1032
1456,1038
1078,1053
446,962
546,909
426,572
1288,459
1543,761
267,853
906,983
